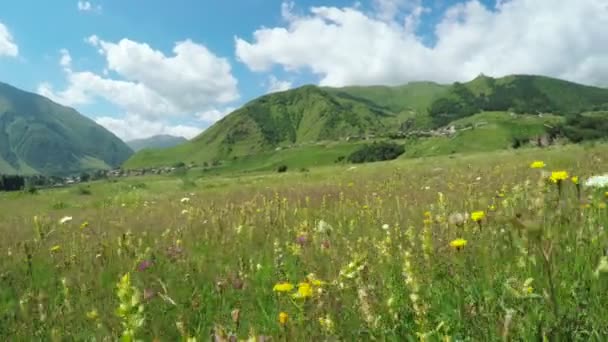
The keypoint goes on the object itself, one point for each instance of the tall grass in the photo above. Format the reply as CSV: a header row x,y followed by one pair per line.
x,y
345,254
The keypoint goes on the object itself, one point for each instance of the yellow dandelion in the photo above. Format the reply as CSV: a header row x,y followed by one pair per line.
x,y
477,216
537,164
304,291
283,318
55,248
558,176
283,287
458,244
574,179
312,278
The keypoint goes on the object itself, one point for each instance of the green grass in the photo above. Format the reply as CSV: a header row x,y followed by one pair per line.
x,y
527,271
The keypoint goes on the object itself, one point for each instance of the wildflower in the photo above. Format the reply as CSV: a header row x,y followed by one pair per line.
x,y
558,176
304,291
574,179
324,227
185,200
283,318
527,288
283,287
312,278
477,216
92,315
602,268
456,219
144,265
326,323
84,225
65,219
55,249
185,212
458,244
597,181
385,226
302,239
537,164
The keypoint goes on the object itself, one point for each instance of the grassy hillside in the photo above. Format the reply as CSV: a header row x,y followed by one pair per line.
x,y
311,114
519,94
40,136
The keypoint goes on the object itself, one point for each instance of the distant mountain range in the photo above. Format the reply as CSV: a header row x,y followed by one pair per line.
x,y
155,142
38,136
312,114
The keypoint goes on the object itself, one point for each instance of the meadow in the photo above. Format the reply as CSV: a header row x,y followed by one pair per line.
x,y
503,246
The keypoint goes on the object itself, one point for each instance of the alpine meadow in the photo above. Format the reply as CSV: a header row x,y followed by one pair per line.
x,y
391,170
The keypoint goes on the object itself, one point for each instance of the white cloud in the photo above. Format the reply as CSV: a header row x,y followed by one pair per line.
x,y
152,85
214,114
276,85
7,45
87,6
66,59
149,87
135,127
344,46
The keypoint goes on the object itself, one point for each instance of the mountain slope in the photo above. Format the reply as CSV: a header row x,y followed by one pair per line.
x,y
524,94
155,142
310,114
40,136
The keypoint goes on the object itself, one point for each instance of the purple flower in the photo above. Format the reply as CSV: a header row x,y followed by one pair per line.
x,y
302,240
144,265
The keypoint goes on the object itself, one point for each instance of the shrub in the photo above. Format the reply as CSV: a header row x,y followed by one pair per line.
x,y
282,168
83,190
376,152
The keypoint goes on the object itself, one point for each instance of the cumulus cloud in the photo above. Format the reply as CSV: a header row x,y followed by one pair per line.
x,y
344,46
7,45
276,85
87,6
150,87
214,114
133,127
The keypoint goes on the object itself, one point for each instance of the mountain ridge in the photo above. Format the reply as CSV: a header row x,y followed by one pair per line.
x,y
155,142
311,114
39,136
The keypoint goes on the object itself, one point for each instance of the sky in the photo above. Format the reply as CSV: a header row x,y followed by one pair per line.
x,y
142,68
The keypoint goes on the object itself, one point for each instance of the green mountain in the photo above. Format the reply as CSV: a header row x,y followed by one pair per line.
x,y
309,115
523,94
156,142
38,136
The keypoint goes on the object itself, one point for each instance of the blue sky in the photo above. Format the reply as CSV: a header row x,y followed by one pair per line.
x,y
131,78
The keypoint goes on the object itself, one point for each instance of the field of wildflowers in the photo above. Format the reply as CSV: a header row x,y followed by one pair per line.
x,y
505,246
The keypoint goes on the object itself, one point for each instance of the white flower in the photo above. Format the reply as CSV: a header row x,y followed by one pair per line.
x,y
185,211
65,220
385,226
258,267
597,181
239,229
185,200
323,227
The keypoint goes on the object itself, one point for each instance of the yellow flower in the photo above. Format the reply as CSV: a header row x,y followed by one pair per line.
x,y
314,281
477,216
93,314
84,225
304,291
55,248
558,176
574,179
283,287
458,244
537,164
283,318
